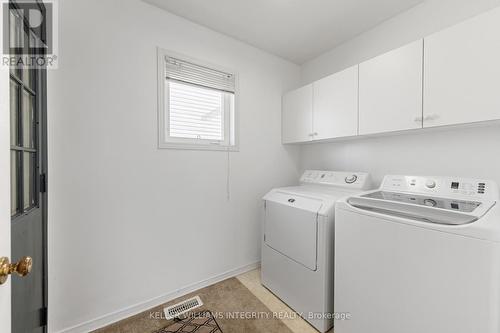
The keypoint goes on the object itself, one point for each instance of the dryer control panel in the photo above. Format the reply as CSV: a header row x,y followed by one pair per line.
x,y
451,187
354,180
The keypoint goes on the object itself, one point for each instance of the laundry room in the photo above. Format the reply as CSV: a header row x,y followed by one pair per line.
x,y
234,166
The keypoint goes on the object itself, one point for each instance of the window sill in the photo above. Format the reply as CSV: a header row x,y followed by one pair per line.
x,y
186,146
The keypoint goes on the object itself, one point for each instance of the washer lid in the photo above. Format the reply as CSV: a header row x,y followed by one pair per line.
x,y
439,200
454,205
424,209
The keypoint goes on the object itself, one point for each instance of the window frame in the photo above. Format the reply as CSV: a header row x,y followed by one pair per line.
x,y
230,142
25,204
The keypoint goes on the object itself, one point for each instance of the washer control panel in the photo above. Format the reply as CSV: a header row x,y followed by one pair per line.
x,y
355,180
443,186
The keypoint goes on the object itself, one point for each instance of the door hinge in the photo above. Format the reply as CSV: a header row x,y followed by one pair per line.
x,y
43,317
43,183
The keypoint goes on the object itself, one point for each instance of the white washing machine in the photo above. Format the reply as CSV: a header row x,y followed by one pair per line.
x,y
297,247
421,254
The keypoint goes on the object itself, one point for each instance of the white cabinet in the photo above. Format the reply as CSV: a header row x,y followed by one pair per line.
x,y
335,105
297,115
390,91
326,109
451,77
462,72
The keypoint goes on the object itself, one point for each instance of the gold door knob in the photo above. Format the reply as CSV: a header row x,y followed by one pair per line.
x,y
22,267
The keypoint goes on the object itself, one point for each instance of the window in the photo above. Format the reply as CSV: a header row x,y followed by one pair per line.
x,y
24,134
196,104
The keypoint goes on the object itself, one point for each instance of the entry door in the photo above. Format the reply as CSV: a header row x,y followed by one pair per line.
x,y
4,195
28,194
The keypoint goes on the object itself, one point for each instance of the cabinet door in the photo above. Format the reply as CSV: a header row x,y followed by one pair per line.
x,y
390,91
335,105
462,72
297,115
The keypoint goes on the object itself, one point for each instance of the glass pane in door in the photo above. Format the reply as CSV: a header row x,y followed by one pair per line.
x,y
13,183
14,102
27,72
16,35
27,76
28,120
28,180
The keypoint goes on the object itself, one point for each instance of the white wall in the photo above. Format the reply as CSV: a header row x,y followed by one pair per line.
x,y
129,222
420,21
467,152
459,152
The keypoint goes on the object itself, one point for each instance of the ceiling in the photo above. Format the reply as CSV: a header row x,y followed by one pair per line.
x,y
297,30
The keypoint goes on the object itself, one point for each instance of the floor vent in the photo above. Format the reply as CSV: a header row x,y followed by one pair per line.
x,y
180,308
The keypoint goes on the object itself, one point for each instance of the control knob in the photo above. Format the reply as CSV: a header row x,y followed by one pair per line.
x,y
430,184
430,202
351,179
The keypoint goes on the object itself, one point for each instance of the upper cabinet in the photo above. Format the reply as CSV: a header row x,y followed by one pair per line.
x,y
451,77
462,72
327,109
390,91
335,105
296,115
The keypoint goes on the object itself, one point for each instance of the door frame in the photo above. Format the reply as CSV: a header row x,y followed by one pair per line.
x,y
43,137
5,219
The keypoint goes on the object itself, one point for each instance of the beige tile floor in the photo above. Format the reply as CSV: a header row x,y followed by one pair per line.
x,y
251,280
222,299
243,293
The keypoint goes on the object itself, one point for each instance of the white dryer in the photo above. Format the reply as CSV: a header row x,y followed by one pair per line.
x,y
297,247
421,254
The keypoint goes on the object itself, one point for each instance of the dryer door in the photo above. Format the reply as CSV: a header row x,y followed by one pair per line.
x,y
291,227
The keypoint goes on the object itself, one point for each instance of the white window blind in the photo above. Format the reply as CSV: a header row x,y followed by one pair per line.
x,y
184,71
196,112
198,105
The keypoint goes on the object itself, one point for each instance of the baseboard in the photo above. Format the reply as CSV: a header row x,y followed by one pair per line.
x,y
144,306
